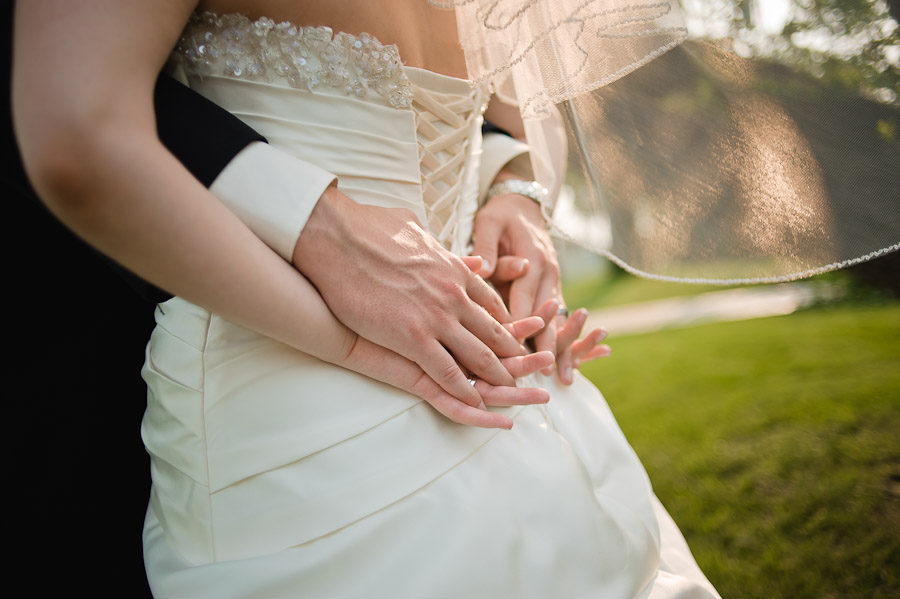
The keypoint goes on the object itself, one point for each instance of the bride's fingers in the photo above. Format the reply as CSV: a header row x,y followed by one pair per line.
x,y
565,364
565,337
461,413
520,366
570,330
509,268
589,348
525,328
474,263
588,342
511,396
384,365
573,352
548,310
599,351
456,410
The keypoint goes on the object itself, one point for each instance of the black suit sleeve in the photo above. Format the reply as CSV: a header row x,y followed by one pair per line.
x,y
201,135
75,469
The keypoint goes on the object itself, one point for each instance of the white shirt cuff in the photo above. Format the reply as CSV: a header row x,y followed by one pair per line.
x,y
499,151
272,192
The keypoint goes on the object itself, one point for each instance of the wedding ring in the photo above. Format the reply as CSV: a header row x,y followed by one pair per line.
x,y
471,381
563,311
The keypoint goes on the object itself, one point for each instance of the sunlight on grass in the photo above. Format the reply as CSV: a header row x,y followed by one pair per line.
x,y
774,443
620,288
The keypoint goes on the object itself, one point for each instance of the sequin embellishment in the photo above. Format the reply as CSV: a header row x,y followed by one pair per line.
x,y
306,57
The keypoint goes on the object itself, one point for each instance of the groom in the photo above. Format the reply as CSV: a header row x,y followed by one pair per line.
x,y
77,471
76,483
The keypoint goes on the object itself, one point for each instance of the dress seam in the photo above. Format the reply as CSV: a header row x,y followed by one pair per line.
x,y
205,439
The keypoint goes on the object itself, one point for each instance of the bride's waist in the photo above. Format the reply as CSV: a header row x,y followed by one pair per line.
x,y
371,148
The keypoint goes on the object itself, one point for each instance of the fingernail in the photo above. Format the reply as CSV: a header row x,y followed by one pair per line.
x,y
567,374
602,335
519,265
582,316
485,264
577,363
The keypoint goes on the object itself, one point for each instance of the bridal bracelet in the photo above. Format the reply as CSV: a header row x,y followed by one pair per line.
x,y
531,189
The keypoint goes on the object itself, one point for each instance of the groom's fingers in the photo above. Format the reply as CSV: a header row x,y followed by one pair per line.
x,y
474,263
508,396
477,357
443,370
509,268
482,294
493,334
525,328
520,366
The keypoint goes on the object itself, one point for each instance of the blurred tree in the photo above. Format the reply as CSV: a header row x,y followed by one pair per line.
x,y
849,44
854,44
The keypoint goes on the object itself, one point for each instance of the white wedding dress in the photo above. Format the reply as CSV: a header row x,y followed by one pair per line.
x,y
278,475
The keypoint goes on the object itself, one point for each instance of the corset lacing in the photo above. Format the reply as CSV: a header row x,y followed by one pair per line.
x,y
444,126
314,58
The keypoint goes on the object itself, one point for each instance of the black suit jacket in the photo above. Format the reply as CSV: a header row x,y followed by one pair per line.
x,y
77,475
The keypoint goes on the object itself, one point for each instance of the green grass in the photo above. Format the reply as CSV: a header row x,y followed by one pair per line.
x,y
775,444
619,288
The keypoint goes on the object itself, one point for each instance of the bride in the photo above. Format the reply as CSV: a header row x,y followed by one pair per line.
x,y
292,452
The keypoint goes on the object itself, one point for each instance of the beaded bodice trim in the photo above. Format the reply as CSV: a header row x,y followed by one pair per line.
x,y
304,57
316,59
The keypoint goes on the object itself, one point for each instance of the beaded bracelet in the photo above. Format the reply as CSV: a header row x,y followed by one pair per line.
x,y
531,189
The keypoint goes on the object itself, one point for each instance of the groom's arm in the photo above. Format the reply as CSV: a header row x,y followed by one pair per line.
x,y
277,196
270,191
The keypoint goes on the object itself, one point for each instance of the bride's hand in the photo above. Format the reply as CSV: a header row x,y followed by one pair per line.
x,y
512,225
572,352
382,364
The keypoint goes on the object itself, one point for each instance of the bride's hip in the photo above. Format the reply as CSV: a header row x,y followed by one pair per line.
x,y
254,403
268,447
230,412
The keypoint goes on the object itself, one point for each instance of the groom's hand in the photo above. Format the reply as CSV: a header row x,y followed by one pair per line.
x,y
391,282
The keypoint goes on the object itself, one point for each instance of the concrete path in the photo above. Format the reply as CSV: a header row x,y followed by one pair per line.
x,y
716,306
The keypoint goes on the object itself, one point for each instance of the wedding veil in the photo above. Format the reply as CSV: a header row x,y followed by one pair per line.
x,y
696,164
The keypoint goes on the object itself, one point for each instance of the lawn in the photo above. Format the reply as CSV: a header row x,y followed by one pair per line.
x,y
617,288
775,444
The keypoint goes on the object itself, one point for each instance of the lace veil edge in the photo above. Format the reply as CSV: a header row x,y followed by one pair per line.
x,y
688,163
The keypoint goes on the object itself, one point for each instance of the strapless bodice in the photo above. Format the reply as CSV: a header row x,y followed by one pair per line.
x,y
395,136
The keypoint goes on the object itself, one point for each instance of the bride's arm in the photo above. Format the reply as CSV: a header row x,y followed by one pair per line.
x,y
83,79
83,82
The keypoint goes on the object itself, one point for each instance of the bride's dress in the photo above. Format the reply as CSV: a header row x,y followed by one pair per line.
x,y
278,475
